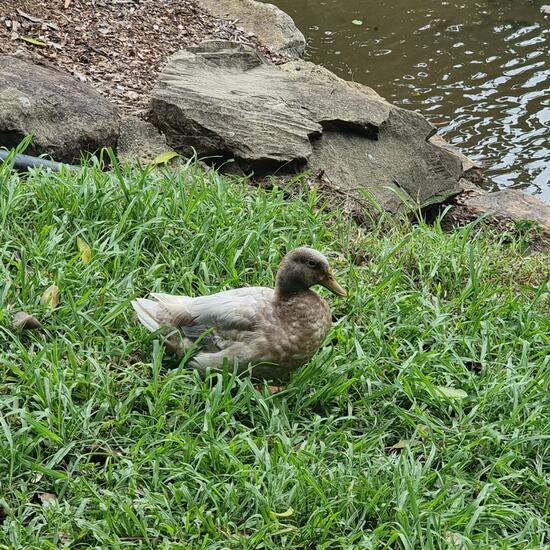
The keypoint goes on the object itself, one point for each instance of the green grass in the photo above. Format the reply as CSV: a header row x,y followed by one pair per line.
x,y
105,443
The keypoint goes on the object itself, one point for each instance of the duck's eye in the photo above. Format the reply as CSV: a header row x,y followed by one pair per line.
x,y
312,263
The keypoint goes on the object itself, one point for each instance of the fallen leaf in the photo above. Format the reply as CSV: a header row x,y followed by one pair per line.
x,y
452,393
23,321
404,443
285,514
84,249
33,41
50,297
357,22
67,3
454,540
163,158
422,430
47,498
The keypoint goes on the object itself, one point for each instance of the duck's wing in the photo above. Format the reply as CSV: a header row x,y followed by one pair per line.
x,y
220,320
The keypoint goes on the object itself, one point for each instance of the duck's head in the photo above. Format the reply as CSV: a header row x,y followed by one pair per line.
x,y
302,268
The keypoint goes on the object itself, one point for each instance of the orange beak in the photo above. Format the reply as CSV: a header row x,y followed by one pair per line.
x,y
330,282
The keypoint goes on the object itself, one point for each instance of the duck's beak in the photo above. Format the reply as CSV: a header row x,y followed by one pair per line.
x,y
328,281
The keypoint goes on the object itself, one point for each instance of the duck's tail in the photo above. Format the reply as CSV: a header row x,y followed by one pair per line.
x,y
146,310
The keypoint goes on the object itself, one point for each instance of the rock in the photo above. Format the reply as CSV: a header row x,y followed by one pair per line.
x,y
272,26
140,140
510,204
224,99
64,116
399,169
504,210
472,170
214,98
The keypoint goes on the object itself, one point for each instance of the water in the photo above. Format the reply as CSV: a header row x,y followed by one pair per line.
x,y
477,69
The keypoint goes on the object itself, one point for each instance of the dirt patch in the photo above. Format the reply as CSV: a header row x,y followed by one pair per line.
x,y
118,46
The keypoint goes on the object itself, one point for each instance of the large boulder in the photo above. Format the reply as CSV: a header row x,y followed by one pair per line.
x,y
224,99
272,26
64,115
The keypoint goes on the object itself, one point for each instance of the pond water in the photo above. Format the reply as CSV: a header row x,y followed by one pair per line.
x,y
478,69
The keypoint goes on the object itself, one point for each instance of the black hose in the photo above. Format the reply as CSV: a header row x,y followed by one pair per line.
x,y
24,162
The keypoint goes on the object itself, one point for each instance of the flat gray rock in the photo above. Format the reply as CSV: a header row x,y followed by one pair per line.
x,y
214,98
272,26
64,115
502,210
224,99
509,204
471,169
398,169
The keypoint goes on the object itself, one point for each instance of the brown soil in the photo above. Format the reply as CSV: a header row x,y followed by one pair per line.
x,y
118,46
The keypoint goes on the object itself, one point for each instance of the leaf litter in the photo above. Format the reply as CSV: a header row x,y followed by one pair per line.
x,y
117,47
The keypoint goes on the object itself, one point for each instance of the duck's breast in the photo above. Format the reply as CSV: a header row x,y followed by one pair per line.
x,y
303,324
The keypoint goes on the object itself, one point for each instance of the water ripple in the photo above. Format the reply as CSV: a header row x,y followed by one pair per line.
x,y
477,69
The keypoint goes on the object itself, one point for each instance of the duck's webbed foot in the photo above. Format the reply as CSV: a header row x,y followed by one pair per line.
x,y
270,389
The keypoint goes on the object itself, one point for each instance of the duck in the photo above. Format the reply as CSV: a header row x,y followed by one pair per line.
x,y
266,332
